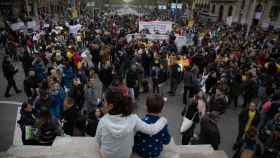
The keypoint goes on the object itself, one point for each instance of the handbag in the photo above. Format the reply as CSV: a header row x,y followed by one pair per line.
x,y
29,133
187,123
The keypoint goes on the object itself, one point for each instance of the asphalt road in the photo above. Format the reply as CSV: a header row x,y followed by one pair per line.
x,y
172,111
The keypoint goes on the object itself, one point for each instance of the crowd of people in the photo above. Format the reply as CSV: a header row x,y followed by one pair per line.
x,y
224,64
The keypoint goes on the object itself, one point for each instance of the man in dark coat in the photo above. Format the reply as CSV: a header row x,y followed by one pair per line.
x,y
209,131
9,72
132,79
77,93
250,89
95,52
188,83
30,85
44,102
27,119
70,116
235,88
174,78
190,112
26,60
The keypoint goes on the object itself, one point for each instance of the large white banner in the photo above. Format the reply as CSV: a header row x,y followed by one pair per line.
x,y
180,40
33,25
17,26
161,27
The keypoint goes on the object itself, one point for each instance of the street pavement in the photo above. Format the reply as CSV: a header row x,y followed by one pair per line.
x,y
172,111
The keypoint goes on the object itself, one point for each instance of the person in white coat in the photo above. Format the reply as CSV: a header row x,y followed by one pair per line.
x,y
116,130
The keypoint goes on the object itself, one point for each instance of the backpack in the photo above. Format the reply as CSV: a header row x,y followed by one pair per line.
x,y
246,152
266,106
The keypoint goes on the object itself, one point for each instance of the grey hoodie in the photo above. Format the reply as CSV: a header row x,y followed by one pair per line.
x,y
115,134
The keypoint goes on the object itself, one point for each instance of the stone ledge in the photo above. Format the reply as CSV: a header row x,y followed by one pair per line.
x,y
85,147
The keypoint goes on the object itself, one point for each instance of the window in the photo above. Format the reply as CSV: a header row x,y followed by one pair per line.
x,y
213,9
274,13
243,4
230,11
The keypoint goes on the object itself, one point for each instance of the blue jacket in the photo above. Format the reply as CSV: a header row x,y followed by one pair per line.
x,y
68,75
58,99
151,146
40,72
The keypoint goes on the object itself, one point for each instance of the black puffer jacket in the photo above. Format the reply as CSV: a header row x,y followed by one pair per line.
x,y
8,69
131,79
209,132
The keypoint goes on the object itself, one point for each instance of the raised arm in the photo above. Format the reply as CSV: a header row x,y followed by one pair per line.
x,y
150,129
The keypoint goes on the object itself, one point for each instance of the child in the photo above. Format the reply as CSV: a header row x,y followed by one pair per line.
x,y
151,146
115,131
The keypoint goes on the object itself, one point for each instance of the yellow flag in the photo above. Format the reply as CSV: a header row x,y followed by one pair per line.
x,y
190,23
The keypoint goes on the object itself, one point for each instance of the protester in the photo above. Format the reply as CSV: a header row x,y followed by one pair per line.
x,y
31,85
91,100
175,78
248,118
188,83
271,145
27,121
77,93
70,116
119,85
92,121
209,131
48,129
191,112
132,81
248,146
219,65
43,102
9,70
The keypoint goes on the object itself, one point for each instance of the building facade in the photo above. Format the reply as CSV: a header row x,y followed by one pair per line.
x,y
251,12
32,8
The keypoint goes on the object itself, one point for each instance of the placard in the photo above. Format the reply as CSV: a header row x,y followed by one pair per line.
x,y
17,26
180,40
161,27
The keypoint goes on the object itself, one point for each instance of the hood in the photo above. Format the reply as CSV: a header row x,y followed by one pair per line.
x,y
118,126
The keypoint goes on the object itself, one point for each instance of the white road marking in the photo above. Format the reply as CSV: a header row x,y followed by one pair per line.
x,y
17,131
10,102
